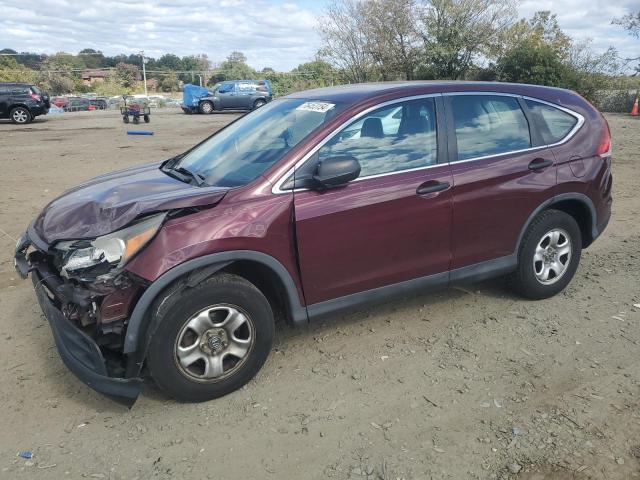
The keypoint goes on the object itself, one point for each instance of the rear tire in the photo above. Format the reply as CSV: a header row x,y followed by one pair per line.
x,y
259,103
146,119
20,115
189,355
136,120
125,118
548,256
206,107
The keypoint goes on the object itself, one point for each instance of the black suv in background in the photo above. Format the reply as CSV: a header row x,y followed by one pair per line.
x,y
22,102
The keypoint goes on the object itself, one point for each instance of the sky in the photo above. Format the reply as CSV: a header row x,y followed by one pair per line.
x,y
272,33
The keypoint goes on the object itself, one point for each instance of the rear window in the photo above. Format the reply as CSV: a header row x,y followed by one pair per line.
x,y
489,125
555,123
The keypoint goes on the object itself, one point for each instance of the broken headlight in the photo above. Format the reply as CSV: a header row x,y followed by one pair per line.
x,y
108,252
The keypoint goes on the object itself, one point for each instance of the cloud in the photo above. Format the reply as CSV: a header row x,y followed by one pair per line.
x,y
590,20
272,33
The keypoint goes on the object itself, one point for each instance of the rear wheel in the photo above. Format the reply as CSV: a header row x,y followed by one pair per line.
x,y
20,115
125,118
136,119
549,255
206,107
146,119
211,339
259,103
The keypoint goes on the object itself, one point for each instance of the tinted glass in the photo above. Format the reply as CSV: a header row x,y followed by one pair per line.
x,y
394,138
488,125
249,146
556,124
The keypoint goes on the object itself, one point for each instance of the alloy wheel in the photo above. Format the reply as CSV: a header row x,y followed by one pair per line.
x,y
214,343
20,116
552,256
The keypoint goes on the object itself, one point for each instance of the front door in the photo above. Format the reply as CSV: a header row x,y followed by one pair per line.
x,y
501,172
228,95
390,225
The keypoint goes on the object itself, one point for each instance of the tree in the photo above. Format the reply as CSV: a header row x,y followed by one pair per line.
x,y
170,82
12,71
60,73
456,32
92,58
538,51
532,62
127,74
111,86
631,23
234,68
392,40
344,33
169,61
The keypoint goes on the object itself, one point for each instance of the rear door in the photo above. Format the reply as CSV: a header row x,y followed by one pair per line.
x,y
246,91
4,100
390,225
501,173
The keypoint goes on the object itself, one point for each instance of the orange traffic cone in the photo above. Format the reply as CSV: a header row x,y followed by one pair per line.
x,y
634,110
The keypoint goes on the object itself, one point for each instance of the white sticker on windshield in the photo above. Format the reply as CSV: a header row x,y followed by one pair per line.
x,y
320,107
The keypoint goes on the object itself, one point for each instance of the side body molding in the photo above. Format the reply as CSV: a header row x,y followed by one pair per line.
x,y
213,262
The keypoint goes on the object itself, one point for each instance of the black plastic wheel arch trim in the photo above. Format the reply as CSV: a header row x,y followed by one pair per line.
x,y
138,319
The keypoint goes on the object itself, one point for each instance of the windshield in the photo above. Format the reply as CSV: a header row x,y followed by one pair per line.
x,y
245,149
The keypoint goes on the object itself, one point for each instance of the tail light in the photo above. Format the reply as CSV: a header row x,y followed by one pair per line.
x,y
604,147
35,96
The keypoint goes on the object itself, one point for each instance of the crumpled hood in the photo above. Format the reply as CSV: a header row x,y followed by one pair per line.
x,y
109,202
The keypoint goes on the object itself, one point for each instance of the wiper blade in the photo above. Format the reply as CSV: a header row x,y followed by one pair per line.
x,y
181,173
197,177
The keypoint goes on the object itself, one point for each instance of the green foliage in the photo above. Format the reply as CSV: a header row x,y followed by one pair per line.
x,y
127,74
537,51
56,74
533,62
12,71
234,68
170,82
111,87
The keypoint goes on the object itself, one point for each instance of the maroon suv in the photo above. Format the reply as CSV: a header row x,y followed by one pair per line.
x,y
317,202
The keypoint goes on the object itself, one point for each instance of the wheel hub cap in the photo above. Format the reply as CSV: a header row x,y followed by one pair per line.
x,y
552,256
214,343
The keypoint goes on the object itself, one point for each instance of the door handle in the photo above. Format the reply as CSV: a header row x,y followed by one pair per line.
x,y
432,186
540,163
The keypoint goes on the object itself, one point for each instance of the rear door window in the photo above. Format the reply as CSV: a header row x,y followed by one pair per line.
x,y
555,124
488,125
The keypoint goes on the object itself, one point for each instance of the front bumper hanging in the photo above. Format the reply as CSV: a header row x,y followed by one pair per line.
x,y
78,351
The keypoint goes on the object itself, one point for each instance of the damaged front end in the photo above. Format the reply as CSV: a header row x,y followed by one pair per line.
x,y
86,295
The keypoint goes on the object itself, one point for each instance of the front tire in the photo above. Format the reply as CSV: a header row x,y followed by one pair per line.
x,y
549,255
206,107
20,115
211,339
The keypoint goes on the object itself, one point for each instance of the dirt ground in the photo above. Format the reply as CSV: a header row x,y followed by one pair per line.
x,y
467,383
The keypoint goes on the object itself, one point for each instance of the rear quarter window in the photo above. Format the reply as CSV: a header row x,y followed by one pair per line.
x,y
555,124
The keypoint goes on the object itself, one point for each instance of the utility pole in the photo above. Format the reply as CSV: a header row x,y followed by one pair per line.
x,y
144,73
200,77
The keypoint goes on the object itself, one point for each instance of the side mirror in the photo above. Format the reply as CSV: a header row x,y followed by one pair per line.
x,y
336,171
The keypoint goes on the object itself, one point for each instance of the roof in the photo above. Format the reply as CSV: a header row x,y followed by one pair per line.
x,y
355,93
95,74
